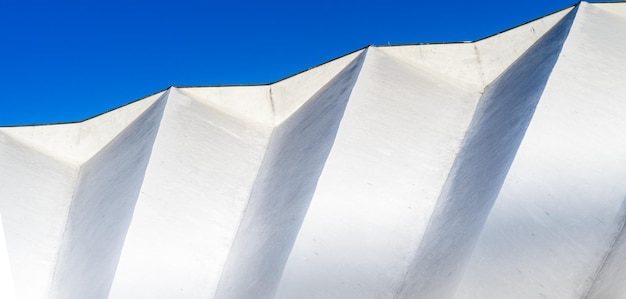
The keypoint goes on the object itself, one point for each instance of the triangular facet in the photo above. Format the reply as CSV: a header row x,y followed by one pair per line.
x,y
498,52
616,8
290,94
75,143
58,141
249,103
561,206
457,61
97,132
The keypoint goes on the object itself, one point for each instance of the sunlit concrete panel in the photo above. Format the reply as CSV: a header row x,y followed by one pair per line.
x,y
196,189
394,148
486,169
559,210
289,94
101,210
35,199
283,190
498,126
456,61
498,52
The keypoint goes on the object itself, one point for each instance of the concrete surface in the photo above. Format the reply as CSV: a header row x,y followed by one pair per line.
x,y
486,169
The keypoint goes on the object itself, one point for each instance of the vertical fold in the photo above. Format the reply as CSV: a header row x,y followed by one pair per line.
x,y
558,212
34,201
396,142
283,189
197,184
491,142
101,210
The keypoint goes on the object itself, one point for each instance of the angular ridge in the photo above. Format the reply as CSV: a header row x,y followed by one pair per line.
x,y
181,235
497,53
34,203
556,216
478,62
93,138
290,94
75,143
498,126
398,137
102,206
284,186
391,172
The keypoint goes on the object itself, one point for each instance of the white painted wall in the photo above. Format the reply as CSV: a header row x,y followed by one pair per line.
x,y
395,145
370,176
558,212
34,201
101,210
283,190
498,126
197,185
39,196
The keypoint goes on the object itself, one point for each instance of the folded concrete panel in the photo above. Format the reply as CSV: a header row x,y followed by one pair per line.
x,y
498,52
289,94
489,146
558,213
98,132
35,198
398,138
283,189
487,169
102,206
196,188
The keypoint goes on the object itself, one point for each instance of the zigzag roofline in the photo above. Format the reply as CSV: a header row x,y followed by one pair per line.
x,y
310,68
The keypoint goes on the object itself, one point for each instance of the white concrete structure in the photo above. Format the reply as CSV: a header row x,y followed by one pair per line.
x,y
487,169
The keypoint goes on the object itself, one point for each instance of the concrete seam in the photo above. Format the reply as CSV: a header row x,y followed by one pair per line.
x,y
65,229
243,213
263,161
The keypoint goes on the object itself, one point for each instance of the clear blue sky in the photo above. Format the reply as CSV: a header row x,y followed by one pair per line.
x,y
65,61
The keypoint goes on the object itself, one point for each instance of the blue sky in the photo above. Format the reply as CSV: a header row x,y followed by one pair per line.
x,y
65,61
